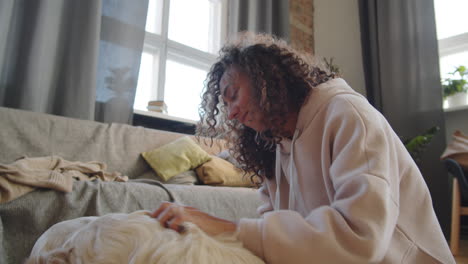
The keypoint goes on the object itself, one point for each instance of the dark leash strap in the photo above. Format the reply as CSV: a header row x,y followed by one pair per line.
x,y
160,184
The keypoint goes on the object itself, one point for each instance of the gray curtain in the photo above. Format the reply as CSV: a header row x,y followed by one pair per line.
x,y
401,65
71,58
261,16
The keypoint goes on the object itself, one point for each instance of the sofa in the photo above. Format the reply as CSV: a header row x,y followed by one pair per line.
x,y
120,148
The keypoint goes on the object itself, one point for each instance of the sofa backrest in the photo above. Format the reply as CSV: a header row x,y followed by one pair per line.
x,y
24,133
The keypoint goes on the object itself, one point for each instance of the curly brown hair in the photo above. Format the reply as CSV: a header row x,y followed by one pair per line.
x,y
281,77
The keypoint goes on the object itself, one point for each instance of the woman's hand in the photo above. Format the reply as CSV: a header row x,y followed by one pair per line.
x,y
172,215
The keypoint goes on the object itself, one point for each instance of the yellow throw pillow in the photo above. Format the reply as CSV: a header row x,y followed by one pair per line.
x,y
218,171
178,156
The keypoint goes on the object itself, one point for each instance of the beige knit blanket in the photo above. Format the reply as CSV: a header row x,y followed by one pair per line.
x,y
457,149
53,172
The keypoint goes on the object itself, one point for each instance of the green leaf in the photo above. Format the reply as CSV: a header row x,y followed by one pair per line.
x,y
418,144
452,86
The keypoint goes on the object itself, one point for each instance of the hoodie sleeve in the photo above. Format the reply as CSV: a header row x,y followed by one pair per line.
x,y
360,151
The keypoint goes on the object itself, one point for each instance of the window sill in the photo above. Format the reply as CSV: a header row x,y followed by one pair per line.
x,y
456,108
164,116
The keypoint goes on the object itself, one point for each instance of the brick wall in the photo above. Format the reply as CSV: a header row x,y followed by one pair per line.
x,y
301,21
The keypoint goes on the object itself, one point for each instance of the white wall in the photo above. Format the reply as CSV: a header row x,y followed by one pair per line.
x,y
337,34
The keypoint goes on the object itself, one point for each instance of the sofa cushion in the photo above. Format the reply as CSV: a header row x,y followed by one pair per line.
x,y
25,133
221,172
178,156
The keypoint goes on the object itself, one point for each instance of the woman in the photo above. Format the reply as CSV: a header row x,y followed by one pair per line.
x,y
338,184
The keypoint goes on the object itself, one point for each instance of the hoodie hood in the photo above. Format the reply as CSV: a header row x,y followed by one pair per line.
x,y
319,97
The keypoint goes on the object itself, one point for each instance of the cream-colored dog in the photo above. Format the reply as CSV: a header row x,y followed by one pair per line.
x,y
134,238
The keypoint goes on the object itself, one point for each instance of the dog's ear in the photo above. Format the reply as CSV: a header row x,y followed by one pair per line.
x,y
61,256
56,256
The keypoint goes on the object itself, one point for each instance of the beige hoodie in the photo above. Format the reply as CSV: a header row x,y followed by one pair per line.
x,y
346,191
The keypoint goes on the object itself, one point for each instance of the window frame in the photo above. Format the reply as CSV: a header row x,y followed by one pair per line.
x,y
453,45
162,48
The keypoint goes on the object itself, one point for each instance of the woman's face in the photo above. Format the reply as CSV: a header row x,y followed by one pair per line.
x,y
237,94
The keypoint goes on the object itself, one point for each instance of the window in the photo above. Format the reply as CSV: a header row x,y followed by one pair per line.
x,y
452,33
181,42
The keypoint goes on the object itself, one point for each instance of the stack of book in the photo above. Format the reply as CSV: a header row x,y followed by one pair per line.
x,y
157,106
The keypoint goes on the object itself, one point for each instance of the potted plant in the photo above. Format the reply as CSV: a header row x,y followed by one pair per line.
x,y
454,89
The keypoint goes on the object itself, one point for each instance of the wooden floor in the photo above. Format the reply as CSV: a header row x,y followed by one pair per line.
x,y
462,257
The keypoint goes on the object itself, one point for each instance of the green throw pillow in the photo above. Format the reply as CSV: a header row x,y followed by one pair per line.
x,y
178,156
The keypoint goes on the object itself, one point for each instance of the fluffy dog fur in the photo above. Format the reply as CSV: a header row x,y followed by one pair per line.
x,y
134,238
